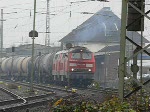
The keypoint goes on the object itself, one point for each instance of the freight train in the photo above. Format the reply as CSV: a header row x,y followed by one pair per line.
x,y
74,66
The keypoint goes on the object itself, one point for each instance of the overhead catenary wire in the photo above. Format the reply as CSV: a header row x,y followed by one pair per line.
x,y
29,23
9,6
58,14
41,13
51,17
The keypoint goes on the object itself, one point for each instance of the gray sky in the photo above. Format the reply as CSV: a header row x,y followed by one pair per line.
x,y
18,25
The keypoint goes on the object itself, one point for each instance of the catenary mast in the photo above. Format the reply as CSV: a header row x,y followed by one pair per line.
x,y
47,38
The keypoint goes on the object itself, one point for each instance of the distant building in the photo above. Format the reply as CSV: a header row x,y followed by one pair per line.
x,y
107,60
26,50
100,30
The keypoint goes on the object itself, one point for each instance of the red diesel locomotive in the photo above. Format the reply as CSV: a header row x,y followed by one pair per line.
x,y
76,65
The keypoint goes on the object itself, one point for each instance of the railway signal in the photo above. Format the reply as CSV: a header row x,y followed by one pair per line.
x,y
33,33
133,14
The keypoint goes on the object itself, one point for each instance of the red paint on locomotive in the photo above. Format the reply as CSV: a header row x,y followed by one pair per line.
x,y
75,61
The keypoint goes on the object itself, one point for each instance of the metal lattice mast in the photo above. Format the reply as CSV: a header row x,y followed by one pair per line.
x,y
122,62
1,39
47,38
134,8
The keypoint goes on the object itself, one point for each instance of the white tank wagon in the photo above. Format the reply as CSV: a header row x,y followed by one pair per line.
x,y
22,66
1,60
46,63
17,64
11,64
36,68
15,60
7,68
5,65
43,67
38,63
25,64
35,63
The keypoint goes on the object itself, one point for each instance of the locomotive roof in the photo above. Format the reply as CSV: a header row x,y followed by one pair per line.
x,y
74,49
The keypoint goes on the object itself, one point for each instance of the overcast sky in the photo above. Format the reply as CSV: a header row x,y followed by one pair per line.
x,y
19,18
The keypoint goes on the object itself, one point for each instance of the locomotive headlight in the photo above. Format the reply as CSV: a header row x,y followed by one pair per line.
x,y
72,69
89,65
89,70
73,64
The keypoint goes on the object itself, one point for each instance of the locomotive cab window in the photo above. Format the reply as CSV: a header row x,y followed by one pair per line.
x,y
87,56
76,55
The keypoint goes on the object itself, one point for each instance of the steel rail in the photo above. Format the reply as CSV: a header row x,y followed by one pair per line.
x,y
35,103
15,101
13,94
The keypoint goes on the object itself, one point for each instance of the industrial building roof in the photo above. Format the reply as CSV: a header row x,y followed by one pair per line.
x,y
114,48
103,26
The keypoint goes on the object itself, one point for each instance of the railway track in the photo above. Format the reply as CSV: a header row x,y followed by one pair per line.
x,y
19,103
4,96
16,98
94,94
52,94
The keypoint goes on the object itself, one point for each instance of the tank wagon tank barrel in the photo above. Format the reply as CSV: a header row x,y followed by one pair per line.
x,y
24,64
5,65
1,60
18,64
47,62
36,62
14,67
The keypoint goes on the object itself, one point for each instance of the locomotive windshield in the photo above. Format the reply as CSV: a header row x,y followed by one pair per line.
x,y
82,55
76,55
86,56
